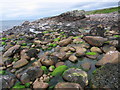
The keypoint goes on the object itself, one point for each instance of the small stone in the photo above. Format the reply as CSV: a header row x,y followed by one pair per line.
x,y
96,49
73,58
86,65
59,64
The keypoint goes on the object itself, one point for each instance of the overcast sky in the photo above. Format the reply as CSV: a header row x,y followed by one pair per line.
x,y
35,9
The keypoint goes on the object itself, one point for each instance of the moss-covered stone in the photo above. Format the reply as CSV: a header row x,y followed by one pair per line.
x,y
91,53
44,68
59,70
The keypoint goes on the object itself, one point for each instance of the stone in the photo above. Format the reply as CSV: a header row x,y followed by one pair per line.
x,y
11,51
62,55
93,56
68,85
73,58
64,49
59,64
7,81
20,63
96,49
86,66
73,15
95,40
65,41
80,51
47,62
107,75
40,85
24,55
109,57
76,75
107,48
31,74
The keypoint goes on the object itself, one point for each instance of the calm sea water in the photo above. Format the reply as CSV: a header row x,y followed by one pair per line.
x,y
7,24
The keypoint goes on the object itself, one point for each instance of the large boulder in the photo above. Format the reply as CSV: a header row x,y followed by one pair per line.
x,y
73,15
76,75
95,40
109,57
31,74
106,77
11,51
68,85
7,81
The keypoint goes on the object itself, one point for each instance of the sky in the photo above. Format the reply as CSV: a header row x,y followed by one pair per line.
x,y
36,9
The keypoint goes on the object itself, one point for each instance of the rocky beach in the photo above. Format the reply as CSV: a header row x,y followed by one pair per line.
x,y
72,50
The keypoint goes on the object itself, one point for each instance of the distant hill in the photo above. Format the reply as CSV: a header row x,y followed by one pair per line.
x,y
101,11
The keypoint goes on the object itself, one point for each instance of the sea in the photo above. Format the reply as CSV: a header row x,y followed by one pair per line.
x,y
8,24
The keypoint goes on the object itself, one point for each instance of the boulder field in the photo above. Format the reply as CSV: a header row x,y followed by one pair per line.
x,y
71,50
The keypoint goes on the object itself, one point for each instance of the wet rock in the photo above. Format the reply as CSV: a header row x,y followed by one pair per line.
x,y
80,51
20,63
93,56
73,58
31,74
64,49
7,81
68,85
86,66
32,53
107,48
59,64
95,40
62,55
46,60
109,57
11,51
108,76
40,85
96,49
24,55
65,41
76,75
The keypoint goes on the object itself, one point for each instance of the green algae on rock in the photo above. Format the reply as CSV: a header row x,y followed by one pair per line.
x,y
59,70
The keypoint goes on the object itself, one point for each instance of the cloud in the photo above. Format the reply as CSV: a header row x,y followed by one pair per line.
x,y
34,9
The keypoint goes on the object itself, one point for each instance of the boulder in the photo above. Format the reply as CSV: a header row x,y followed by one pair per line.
x,y
59,64
20,63
109,57
73,15
73,58
31,74
11,51
107,48
86,66
40,85
80,51
95,40
65,41
68,85
96,49
76,75
7,81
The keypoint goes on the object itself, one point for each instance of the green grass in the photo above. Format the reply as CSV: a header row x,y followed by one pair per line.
x,y
101,11
2,72
56,39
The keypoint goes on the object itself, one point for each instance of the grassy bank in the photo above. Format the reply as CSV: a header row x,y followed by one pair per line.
x,y
101,11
